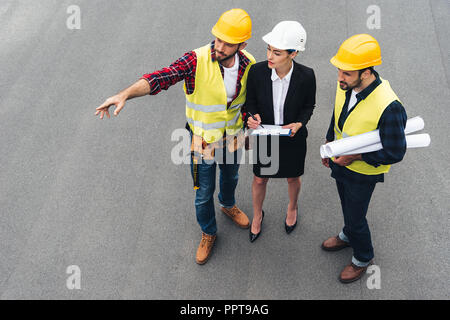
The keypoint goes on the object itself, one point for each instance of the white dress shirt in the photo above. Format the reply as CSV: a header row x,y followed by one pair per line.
x,y
352,101
279,89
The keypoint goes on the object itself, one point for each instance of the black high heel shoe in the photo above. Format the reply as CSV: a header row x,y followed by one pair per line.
x,y
289,229
253,236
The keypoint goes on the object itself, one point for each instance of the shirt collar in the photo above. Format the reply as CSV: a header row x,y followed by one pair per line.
x,y
363,94
287,77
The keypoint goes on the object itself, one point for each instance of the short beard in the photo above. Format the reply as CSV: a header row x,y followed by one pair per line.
x,y
352,87
228,57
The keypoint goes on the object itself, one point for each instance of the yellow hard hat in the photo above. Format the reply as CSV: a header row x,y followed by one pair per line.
x,y
357,52
234,26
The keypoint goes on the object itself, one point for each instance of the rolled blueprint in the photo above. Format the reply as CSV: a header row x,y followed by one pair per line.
x,y
323,153
412,141
414,124
349,144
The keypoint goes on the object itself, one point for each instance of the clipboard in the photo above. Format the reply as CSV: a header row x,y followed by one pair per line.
x,y
271,130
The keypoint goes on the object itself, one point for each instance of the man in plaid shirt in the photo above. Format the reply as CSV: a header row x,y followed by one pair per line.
x,y
213,105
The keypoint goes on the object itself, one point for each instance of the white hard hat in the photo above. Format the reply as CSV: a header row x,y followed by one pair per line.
x,y
287,35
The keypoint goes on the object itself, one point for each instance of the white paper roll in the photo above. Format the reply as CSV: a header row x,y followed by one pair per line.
x,y
366,149
418,140
414,124
349,144
412,141
323,153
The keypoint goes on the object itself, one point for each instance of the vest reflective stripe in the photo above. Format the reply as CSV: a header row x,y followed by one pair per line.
x,y
216,108
202,108
215,125
206,126
206,108
364,118
336,129
236,106
206,117
235,120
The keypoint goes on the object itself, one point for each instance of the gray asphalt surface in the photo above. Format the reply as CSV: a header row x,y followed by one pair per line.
x,y
104,194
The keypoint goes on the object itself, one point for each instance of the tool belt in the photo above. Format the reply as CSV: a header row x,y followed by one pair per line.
x,y
201,150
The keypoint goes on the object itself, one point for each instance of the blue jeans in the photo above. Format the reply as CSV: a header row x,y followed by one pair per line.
x,y
355,199
204,197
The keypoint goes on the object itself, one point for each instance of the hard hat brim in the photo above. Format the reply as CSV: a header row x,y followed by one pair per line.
x,y
222,36
270,40
352,67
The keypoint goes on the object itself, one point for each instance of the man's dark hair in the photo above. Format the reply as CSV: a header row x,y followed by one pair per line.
x,y
362,70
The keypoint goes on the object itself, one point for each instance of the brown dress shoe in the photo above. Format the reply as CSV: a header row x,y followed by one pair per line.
x,y
352,273
334,244
205,248
239,217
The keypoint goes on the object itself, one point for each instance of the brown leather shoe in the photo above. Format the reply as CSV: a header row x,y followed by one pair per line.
x,y
334,244
205,248
239,217
352,273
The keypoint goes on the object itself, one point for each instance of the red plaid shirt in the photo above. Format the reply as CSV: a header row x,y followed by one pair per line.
x,y
184,69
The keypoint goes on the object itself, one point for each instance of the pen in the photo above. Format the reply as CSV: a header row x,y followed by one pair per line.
x,y
254,118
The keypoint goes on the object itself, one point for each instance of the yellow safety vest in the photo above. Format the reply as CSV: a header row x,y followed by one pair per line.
x,y
206,108
363,119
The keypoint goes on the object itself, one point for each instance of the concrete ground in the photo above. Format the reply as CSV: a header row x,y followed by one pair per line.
x,y
105,196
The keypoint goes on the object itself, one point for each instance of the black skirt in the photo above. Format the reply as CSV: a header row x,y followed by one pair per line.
x,y
291,155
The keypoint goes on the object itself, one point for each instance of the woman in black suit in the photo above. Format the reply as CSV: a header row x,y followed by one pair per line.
x,y
281,92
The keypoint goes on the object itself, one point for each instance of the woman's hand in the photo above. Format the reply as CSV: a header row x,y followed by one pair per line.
x,y
295,126
252,124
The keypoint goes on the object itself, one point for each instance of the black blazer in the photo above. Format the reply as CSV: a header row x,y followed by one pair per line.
x,y
300,99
